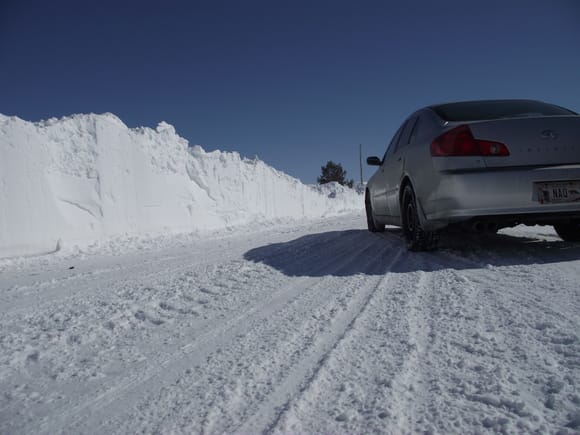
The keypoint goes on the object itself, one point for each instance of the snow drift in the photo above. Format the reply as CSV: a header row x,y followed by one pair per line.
x,y
88,177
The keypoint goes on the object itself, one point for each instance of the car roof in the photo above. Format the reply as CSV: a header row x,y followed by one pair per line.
x,y
500,101
501,105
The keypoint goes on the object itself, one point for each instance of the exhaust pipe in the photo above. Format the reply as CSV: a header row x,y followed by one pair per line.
x,y
484,227
492,227
478,226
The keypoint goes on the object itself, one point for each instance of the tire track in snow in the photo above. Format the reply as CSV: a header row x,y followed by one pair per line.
x,y
267,416
475,354
266,358
409,384
160,371
85,327
335,400
392,389
250,369
88,389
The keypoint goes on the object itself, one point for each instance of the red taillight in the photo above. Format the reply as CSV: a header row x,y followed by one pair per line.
x,y
460,142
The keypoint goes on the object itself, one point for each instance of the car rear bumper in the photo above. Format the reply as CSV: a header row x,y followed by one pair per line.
x,y
502,194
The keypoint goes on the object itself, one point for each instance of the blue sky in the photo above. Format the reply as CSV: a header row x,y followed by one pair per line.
x,y
296,83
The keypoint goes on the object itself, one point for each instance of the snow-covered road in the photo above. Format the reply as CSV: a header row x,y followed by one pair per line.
x,y
318,327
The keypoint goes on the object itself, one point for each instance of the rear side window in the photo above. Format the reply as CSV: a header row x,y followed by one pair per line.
x,y
485,110
407,132
415,129
395,140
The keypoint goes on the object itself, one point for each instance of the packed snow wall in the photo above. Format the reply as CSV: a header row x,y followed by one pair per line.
x,y
88,177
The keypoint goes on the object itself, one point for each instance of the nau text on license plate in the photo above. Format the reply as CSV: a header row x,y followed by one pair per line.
x,y
568,191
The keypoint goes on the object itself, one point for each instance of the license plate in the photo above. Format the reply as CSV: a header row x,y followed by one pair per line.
x,y
565,191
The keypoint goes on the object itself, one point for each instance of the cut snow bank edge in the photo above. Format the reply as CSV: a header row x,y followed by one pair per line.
x,y
84,178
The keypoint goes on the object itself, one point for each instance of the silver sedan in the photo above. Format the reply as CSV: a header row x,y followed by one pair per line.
x,y
479,166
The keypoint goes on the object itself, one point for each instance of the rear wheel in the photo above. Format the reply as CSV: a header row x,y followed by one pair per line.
x,y
569,231
418,239
372,224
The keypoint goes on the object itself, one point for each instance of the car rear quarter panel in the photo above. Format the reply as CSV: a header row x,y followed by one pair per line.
x,y
419,168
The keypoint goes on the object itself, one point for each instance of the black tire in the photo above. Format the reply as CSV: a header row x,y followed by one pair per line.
x,y
372,224
416,237
568,231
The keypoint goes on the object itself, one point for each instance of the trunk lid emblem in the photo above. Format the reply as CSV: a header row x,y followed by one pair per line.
x,y
549,134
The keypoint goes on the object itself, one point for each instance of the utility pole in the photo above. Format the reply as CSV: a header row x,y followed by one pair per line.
x,y
360,160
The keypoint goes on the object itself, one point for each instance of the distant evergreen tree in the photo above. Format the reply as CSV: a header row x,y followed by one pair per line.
x,y
334,172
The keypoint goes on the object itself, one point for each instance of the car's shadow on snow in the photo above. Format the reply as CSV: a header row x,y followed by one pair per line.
x,y
351,252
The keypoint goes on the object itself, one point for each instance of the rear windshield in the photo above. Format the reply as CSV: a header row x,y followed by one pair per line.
x,y
483,110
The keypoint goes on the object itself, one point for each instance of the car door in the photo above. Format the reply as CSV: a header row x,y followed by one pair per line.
x,y
395,165
380,184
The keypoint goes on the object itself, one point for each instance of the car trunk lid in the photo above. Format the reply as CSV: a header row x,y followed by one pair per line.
x,y
533,141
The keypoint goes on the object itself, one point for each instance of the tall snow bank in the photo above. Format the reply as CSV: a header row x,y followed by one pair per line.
x,y
88,177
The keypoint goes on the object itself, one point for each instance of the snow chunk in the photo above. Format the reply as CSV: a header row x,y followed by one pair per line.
x,y
165,127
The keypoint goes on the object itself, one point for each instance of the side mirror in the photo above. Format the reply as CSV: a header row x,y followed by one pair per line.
x,y
373,161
